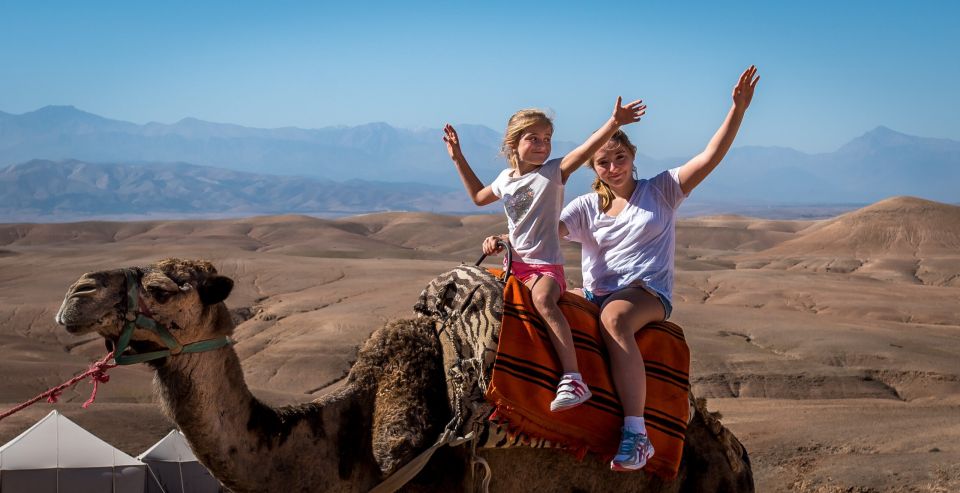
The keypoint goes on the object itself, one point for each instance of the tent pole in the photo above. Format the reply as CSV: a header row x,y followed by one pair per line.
x,y
156,479
58,454
180,468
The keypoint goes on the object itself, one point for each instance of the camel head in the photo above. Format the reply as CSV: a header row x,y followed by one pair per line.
x,y
183,297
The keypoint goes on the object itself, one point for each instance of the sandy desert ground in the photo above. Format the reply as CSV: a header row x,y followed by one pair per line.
x,y
831,347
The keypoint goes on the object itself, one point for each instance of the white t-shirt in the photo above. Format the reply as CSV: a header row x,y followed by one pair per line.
x,y
636,246
532,203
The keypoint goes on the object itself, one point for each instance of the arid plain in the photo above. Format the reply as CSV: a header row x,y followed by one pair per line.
x,y
831,347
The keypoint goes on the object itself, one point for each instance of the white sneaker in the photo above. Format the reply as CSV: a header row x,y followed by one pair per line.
x,y
635,449
570,393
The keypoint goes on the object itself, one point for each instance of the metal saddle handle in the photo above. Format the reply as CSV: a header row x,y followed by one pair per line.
x,y
506,246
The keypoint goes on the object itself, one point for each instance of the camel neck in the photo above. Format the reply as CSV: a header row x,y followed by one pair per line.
x,y
253,447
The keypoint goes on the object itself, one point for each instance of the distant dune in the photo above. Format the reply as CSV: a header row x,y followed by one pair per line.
x,y
896,226
902,237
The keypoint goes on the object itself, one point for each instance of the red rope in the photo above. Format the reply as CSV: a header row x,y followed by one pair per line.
x,y
97,373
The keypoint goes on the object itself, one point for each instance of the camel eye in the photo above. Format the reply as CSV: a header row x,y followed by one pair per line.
x,y
160,294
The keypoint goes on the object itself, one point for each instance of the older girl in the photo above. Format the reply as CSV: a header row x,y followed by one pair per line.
x,y
626,230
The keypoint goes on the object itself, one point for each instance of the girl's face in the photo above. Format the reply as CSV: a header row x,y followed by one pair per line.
x,y
534,145
614,164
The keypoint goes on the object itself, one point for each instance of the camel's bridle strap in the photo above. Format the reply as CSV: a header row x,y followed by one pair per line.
x,y
138,318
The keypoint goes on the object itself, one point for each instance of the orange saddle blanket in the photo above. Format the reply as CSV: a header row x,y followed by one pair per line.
x,y
526,372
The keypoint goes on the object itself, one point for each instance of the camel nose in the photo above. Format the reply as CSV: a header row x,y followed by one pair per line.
x,y
87,285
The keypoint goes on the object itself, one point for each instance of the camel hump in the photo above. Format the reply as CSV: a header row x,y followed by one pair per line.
x,y
463,290
466,305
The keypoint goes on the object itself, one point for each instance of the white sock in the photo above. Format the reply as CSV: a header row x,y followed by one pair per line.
x,y
571,376
635,424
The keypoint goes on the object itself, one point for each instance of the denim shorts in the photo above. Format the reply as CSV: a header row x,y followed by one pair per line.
x,y
600,299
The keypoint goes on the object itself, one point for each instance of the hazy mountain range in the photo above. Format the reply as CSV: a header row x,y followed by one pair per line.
x,y
68,160
74,189
375,151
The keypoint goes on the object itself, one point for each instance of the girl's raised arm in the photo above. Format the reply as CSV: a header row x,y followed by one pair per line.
x,y
696,169
480,194
622,115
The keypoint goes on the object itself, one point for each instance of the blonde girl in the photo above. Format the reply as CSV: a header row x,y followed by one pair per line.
x,y
532,193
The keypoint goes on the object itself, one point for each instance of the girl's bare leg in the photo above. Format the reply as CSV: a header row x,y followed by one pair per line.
x,y
546,293
623,314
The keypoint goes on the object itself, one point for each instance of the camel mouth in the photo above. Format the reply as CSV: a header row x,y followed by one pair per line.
x,y
76,329
77,325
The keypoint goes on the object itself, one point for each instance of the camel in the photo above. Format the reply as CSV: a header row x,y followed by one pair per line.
x,y
392,405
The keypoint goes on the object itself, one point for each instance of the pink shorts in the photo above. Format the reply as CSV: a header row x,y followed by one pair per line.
x,y
525,272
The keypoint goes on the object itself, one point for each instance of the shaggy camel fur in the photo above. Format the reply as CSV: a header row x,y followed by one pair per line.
x,y
392,406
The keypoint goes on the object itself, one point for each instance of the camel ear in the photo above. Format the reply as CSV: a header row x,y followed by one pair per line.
x,y
214,289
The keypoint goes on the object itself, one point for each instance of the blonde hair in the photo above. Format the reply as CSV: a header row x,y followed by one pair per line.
x,y
619,139
519,123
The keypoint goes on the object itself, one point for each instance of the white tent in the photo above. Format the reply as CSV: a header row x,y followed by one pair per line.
x,y
174,469
57,455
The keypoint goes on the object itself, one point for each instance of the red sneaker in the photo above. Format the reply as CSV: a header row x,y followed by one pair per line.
x,y
570,393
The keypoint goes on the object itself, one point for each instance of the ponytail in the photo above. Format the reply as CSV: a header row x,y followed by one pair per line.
x,y
604,194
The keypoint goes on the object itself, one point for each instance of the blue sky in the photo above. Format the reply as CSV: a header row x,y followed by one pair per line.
x,y
830,71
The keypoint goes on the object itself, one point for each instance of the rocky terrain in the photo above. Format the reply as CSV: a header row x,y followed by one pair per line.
x,y
829,346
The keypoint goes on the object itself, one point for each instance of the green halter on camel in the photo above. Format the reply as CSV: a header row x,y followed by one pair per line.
x,y
142,319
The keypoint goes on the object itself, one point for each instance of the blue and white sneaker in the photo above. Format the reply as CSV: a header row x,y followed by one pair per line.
x,y
570,393
635,449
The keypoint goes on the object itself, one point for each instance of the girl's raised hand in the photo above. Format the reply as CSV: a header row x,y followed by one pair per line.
x,y
631,113
453,142
743,91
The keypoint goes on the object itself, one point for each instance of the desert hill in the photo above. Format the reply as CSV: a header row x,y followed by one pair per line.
x,y
898,226
738,233
289,234
830,373
902,237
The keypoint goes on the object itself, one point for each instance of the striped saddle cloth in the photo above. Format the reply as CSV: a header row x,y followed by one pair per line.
x,y
526,372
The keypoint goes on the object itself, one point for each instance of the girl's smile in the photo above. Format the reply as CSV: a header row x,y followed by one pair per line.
x,y
614,165
534,146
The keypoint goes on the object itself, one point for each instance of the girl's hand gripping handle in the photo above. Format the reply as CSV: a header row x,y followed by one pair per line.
x,y
497,244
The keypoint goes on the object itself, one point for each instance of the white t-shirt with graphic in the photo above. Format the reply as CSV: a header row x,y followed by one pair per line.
x,y
532,203
636,247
